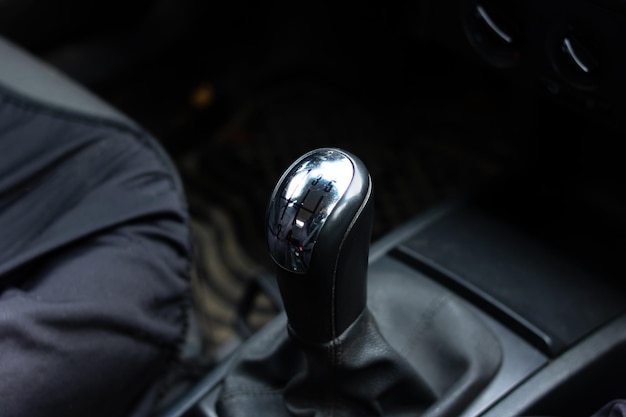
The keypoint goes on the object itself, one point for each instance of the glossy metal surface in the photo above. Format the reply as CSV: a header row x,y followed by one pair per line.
x,y
302,201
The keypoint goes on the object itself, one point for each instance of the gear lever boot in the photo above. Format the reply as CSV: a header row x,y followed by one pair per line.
x,y
358,343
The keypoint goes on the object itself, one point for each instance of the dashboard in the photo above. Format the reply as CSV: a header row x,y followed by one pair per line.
x,y
571,52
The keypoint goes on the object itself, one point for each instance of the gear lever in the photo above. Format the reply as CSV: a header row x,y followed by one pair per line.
x,y
319,223
407,348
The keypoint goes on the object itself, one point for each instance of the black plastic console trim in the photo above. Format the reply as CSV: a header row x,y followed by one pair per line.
x,y
544,391
477,297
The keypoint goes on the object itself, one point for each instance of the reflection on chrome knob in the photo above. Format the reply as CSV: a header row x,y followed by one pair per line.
x,y
303,200
319,223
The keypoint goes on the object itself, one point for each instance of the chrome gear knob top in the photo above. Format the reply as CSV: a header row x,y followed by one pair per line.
x,y
304,198
319,222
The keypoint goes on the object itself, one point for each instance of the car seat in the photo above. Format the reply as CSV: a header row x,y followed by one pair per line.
x,y
95,250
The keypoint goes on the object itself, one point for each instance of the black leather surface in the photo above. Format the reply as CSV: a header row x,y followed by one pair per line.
x,y
416,351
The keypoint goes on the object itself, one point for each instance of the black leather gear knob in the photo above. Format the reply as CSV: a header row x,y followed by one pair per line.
x,y
319,223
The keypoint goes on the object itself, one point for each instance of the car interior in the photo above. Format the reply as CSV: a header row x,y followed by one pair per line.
x,y
477,240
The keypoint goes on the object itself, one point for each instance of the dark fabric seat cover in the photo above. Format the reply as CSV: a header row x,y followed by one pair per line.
x,y
94,262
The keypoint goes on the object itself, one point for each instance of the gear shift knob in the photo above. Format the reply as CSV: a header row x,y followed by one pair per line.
x,y
319,223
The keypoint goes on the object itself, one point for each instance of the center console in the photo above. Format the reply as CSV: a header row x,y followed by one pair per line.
x,y
542,264
529,271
